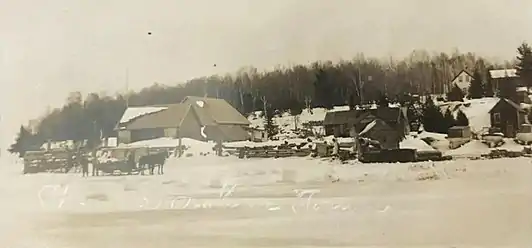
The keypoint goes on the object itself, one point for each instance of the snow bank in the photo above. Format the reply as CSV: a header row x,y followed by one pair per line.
x,y
197,147
436,136
478,112
477,148
437,141
510,145
415,143
473,148
192,146
524,137
160,142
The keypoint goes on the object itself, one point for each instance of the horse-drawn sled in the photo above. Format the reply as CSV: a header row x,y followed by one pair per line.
x,y
129,161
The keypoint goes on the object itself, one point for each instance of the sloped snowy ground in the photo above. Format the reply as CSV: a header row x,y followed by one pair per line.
x,y
474,203
476,110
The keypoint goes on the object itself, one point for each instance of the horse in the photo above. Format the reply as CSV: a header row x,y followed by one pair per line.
x,y
153,160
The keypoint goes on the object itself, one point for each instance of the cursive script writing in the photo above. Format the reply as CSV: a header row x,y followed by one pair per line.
x,y
304,201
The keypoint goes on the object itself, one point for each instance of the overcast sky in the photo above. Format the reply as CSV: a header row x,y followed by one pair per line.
x,y
51,47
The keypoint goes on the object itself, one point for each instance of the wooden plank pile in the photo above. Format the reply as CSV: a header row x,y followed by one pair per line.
x,y
389,156
503,153
267,152
48,161
431,156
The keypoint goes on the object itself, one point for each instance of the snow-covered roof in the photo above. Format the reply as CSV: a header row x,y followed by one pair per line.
x,y
521,89
339,108
502,73
134,112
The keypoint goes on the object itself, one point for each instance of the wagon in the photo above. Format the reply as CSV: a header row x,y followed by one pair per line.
x,y
116,161
113,167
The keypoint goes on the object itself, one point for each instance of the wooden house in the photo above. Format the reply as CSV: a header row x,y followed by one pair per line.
x,y
391,124
462,80
503,76
507,117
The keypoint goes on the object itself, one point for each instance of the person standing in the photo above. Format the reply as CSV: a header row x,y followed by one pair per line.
x,y
354,134
84,166
336,148
94,162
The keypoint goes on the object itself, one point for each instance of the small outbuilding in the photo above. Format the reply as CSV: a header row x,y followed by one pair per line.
x,y
507,116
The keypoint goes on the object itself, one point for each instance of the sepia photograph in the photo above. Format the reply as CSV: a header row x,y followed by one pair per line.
x,y
253,123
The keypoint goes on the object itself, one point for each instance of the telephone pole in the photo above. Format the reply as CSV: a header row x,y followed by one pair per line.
x,y
127,87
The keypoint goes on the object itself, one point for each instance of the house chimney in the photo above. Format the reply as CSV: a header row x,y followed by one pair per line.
x,y
48,144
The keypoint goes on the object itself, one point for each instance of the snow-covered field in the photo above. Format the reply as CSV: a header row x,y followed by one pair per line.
x,y
267,203
208,201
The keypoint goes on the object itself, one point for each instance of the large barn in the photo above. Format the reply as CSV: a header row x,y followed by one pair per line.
x,y
198,118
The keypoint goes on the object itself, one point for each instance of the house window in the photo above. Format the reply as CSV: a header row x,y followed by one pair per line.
x,y
497,118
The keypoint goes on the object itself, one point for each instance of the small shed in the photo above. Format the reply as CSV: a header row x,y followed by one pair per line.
x,y
508,117
459,132
458,136
258,134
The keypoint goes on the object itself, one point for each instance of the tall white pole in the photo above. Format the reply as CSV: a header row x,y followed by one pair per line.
x,y
127,87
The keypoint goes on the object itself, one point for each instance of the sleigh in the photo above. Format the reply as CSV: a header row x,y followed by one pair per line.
x,y
116,168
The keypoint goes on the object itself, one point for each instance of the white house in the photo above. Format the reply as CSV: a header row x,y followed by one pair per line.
x,y
462,80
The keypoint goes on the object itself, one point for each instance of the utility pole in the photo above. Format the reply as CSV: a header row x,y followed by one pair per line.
x,y
359,87
308,102
265,109
127,87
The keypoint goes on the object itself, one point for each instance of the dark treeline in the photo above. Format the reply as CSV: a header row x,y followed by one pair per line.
x,y
319,84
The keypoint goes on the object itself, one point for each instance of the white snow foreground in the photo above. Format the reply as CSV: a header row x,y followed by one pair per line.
x,y
284,201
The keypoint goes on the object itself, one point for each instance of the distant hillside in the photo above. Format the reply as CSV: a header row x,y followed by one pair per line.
x,y
320,84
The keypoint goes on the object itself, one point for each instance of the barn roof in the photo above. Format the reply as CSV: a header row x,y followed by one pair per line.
x,y
389,115
341,117
216,111
208,111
